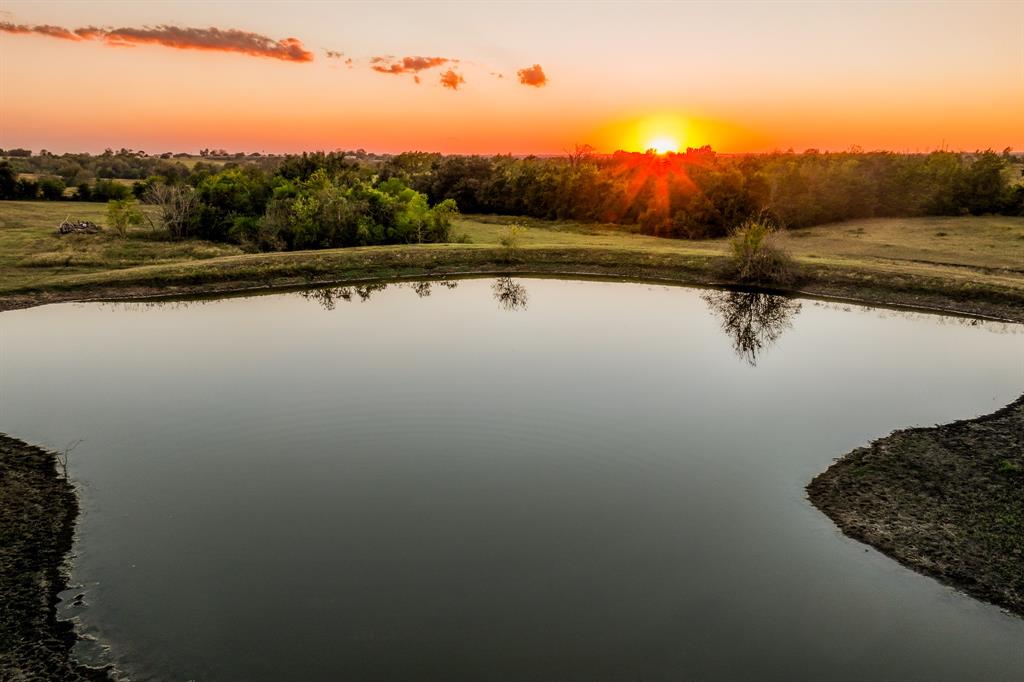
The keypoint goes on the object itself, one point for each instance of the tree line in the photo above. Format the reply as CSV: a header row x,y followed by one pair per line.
x,y
344,198
703,194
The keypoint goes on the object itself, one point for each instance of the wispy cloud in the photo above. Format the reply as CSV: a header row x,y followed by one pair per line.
x,y
177,37
43,30
533,76
407,64
257,45
451,79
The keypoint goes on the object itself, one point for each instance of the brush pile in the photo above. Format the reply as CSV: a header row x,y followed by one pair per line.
x,y
78,227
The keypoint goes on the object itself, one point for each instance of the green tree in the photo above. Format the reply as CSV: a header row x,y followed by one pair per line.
x,y
8,181
123,214
52,188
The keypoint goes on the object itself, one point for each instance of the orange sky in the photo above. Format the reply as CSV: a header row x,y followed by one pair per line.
x,y
741,77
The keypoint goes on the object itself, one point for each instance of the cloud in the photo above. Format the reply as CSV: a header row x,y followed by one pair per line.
x,y
533,76
43,30
333,54
450,79
223,40
407,64
414,65
181,38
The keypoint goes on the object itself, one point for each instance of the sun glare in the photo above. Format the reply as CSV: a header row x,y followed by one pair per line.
x,y
663,144
661,133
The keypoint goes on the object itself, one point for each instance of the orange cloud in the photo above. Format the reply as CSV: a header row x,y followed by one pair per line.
x,y
533,76
44,30
450,79
222,40
214,39
407,64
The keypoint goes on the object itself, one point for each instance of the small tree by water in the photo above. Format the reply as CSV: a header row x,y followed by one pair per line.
x,y
758,255
511,240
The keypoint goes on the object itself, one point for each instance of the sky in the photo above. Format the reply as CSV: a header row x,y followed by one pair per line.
x,y
520,78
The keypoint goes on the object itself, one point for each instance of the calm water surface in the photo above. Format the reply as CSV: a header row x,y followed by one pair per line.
x,y
499,480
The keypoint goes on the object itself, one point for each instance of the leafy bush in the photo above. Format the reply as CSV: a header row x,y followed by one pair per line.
x,y
51,188
122,214
511,239
757,255
26,189
109,190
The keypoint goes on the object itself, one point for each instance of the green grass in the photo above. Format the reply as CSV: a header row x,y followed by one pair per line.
x,y
32,255
945,262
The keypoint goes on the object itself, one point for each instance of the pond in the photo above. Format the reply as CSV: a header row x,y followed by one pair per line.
x,y
497,479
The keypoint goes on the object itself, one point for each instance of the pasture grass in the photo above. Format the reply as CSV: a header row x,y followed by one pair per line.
x,y
972,263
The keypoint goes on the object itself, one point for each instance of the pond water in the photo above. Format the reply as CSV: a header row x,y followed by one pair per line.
x,y
499,480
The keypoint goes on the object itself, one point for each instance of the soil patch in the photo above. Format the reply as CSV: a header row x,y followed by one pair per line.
x,y
38,508
947,501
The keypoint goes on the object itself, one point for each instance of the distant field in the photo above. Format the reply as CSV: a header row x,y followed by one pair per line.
x,y
957,258
983,242
32,254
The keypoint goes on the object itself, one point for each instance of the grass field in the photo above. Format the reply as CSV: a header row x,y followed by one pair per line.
x,y
32,255
975,264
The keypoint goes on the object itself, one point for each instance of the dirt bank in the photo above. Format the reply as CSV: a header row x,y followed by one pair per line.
x,y
947,501
38,508
363,265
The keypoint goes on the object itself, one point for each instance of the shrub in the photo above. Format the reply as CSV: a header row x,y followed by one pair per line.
x,y
511,240
52,188
122,214
26,189
109,190
758,256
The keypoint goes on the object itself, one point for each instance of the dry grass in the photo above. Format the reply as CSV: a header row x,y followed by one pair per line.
x,y
985,242
33,255
932,261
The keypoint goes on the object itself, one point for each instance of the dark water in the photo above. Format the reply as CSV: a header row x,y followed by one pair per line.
x,y
530,480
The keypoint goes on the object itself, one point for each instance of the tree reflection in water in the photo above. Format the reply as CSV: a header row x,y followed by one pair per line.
x,y
424,288
328,297
509,294
753,320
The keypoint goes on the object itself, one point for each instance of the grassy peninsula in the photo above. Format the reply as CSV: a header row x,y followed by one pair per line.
x,y
947,501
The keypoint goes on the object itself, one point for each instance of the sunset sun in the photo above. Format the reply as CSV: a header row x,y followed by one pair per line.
x,y
663,144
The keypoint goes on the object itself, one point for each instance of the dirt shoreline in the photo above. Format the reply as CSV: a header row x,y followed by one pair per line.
x,y
38,508
920,297
946,501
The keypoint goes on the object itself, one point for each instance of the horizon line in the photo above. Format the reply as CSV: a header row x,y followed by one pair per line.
x,y
851,149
